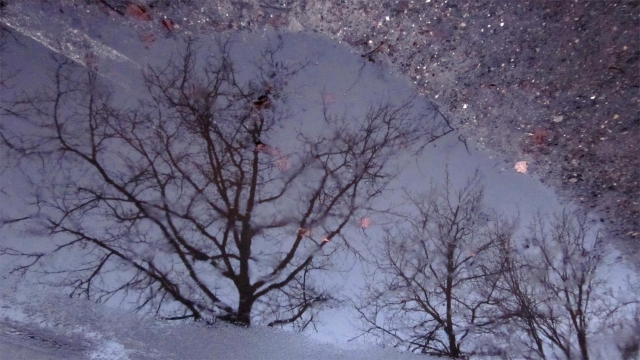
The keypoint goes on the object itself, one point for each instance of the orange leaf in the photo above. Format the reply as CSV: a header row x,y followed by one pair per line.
x,y
168,24
137,12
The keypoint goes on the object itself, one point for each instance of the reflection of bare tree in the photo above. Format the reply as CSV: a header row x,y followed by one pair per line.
x,y
558,294
436,280
450,281
183,203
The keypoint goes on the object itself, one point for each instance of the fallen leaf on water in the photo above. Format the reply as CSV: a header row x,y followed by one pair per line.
x,y
281,159
521,167
328,98
147,39
137,12
91,61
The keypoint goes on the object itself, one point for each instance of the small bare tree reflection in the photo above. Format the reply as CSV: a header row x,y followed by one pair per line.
x,y
184,203
451,281
558,287
435,284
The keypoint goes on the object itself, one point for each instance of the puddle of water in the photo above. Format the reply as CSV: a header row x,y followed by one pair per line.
x,y
334,74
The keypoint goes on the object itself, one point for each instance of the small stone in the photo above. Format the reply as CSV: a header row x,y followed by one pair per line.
x,y
557,118
615,116
573,180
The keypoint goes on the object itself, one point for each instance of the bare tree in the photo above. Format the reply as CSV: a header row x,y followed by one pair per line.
x,y
558,289
518,307
436,278
185,204
629,343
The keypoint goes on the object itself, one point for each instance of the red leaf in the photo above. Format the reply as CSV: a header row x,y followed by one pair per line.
x,y
137,12
168,24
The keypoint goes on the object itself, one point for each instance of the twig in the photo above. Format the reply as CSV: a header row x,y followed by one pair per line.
x,y
374,50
